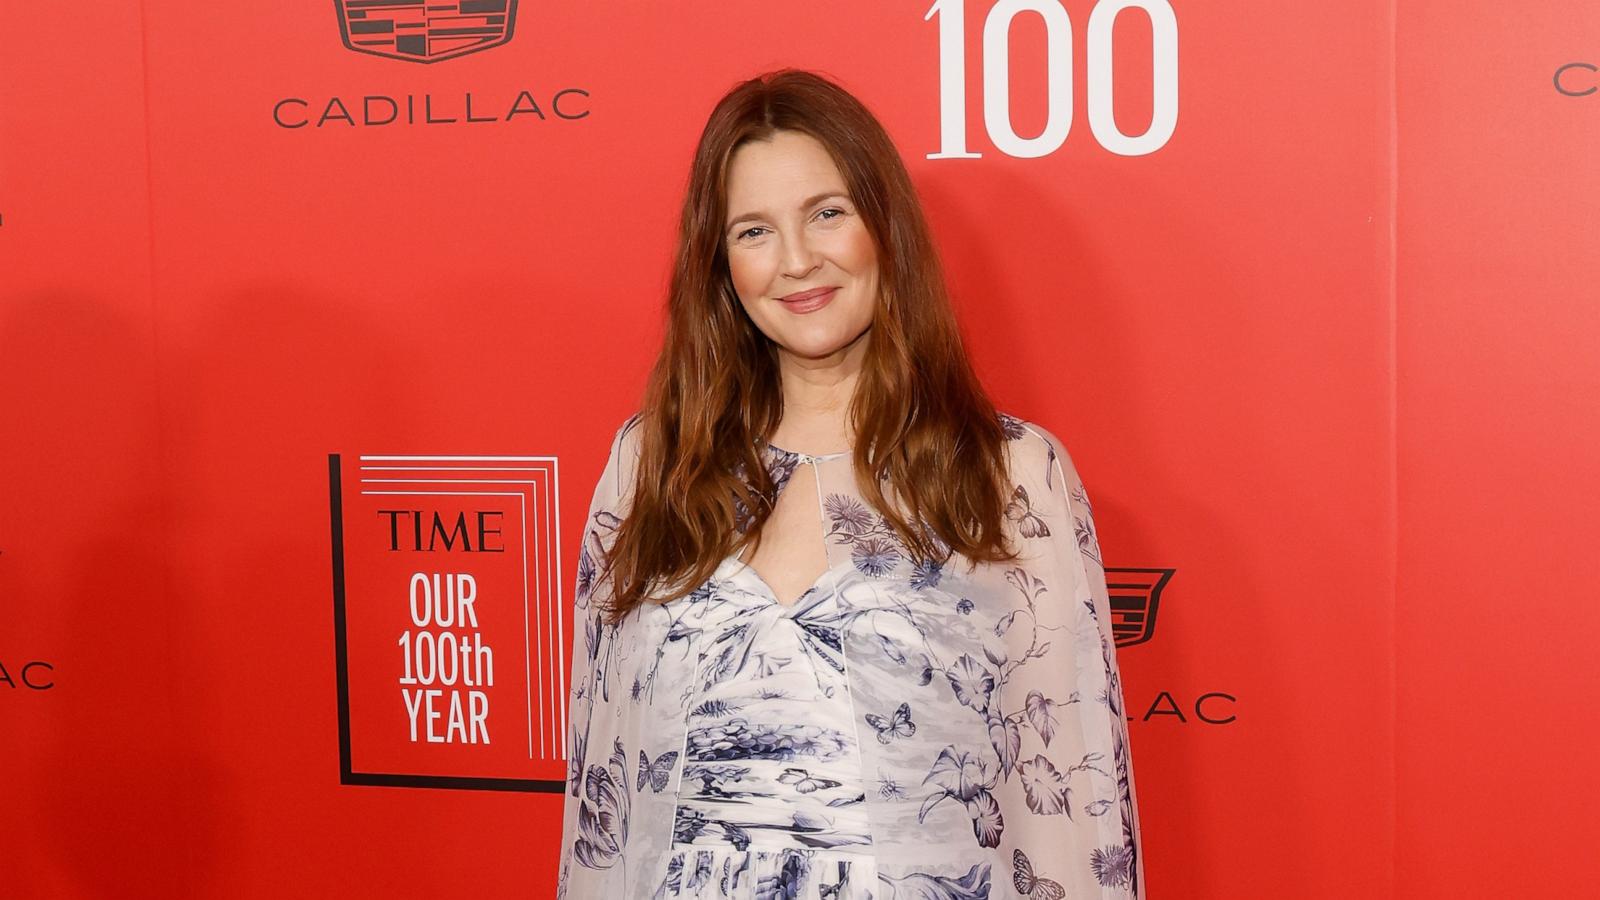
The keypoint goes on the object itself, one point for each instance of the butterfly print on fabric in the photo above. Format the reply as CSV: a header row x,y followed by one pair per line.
x,y
1020,510
1031,885
656,774
898,724
805,782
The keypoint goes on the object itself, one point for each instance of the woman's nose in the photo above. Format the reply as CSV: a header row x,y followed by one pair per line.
x,y
799,257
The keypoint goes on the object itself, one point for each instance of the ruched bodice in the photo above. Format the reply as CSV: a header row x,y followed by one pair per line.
x,y
771,774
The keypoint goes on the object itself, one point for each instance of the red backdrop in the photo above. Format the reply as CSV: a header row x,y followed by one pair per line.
x,y
1321,343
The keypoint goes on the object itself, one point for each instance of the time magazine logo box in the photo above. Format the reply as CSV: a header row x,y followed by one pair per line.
x,y
448,621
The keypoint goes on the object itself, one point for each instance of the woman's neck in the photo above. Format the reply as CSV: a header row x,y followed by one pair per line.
x,y
816,398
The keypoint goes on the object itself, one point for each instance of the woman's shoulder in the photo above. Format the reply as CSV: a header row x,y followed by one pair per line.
x,y
1030,446
623,455
625,441
1040,463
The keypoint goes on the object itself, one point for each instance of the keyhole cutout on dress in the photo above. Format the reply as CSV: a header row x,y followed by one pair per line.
x,y
792,557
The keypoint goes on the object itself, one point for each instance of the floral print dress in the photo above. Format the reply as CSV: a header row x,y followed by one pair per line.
x,y
906,730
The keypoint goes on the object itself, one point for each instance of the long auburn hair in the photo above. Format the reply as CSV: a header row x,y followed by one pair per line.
x,y
922,423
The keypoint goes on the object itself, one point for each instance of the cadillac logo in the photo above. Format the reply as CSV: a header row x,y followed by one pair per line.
x,y
1135,594
425,31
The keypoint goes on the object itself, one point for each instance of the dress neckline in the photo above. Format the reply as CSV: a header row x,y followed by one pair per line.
x,y
738,566
819,456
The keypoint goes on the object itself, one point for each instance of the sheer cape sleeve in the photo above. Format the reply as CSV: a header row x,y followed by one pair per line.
x,y
1071,803
590,830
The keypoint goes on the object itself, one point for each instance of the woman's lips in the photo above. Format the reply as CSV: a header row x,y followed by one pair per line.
x,y
811,303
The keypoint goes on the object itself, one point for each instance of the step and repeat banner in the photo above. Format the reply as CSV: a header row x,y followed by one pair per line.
x,y
317,319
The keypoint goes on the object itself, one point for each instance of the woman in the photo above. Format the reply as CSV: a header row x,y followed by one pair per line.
x,y
844,627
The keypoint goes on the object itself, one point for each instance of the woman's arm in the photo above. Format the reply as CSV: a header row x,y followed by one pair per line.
x,y
1071,810
589,635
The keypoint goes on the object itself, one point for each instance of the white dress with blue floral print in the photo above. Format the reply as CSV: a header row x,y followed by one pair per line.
x,y
905,730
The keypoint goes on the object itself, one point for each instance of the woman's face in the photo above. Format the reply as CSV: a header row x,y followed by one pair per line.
x,y
791,230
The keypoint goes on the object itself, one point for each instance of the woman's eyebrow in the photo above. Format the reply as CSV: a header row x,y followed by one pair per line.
x,y
809,201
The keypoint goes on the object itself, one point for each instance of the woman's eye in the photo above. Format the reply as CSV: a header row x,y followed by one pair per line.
x,y
749,232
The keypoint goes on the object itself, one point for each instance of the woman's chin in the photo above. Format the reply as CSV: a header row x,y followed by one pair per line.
x,y
819,343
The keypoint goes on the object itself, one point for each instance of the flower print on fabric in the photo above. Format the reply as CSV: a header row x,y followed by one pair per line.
x,y
780,466
603,814
875,548
907,729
